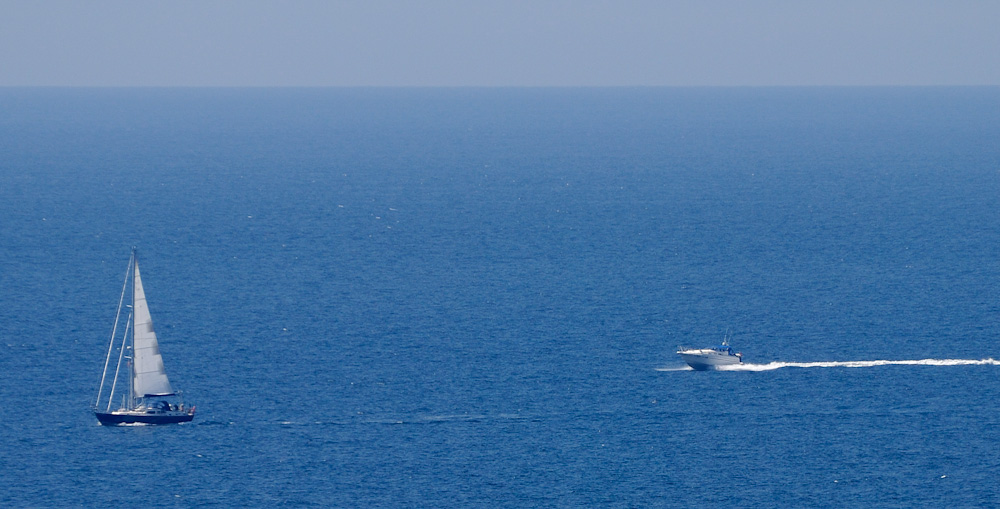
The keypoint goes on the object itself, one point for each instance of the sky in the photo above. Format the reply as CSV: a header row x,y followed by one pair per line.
x,y
457,43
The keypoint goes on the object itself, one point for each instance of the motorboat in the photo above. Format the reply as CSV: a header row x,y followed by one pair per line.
x,y
703,359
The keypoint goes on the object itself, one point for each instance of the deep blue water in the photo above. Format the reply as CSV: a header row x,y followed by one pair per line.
x,y
472,297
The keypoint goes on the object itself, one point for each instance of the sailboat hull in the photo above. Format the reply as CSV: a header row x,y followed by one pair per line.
x,y
139,417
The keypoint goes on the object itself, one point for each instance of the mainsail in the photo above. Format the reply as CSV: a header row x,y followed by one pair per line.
x,y
150,379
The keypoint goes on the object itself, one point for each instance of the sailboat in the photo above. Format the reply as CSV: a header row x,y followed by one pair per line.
x,y
149,398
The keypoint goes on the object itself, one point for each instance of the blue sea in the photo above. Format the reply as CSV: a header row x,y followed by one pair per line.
x,y
473,297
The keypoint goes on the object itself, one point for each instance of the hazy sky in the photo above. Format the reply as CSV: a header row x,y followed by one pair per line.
x,y
498,43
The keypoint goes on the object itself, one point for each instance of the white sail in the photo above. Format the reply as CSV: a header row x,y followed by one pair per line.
x,y
150,377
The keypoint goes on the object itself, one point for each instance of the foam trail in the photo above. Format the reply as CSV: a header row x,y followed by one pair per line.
x,y
860,364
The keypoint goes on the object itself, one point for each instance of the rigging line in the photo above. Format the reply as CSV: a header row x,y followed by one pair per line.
x,y
111,397
114,330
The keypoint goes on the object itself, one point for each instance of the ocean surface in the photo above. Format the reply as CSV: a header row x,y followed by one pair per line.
x,y
473,297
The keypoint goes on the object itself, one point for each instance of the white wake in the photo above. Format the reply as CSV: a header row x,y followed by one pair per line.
x,y
859,364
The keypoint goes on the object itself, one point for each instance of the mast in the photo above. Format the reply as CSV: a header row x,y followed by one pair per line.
x,y
131,377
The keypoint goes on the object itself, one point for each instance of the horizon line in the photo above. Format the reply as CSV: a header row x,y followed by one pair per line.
x,y
501,86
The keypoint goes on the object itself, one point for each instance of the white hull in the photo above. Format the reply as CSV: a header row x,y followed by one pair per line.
x,y
707,359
